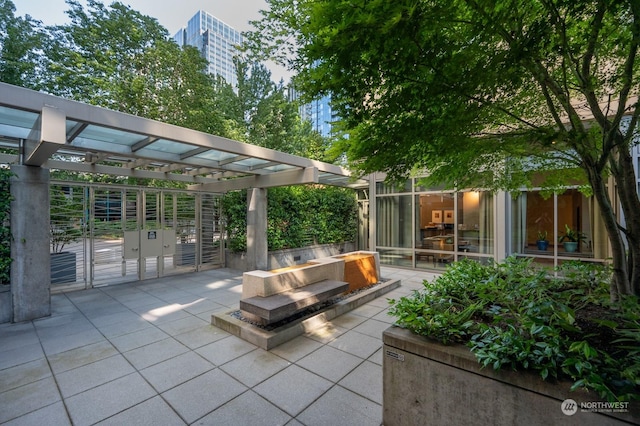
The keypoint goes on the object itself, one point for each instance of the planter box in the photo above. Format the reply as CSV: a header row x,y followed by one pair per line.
x,y
426,383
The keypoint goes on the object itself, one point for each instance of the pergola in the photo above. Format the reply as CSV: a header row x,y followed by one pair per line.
x,y
39,132
57,133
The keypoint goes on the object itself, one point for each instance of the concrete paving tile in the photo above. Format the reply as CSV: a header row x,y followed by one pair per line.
x,y
81,356
254,367
152,412
144,304
297,348
154,353
326,334
138,339
225,350
293,389
111,398
55,345
372,327
89,376
376,358
20,375
181,325
294,422
247,409
17,335
382,302
61,325
384,317
203,305
111,318
164,314
172,372
348,320
330,363
203,394
25,399
121,328
357,344
54,414
201,336
20,354
367,310
341,407
365,380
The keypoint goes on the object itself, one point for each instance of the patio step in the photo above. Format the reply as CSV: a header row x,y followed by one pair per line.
x,y
271,309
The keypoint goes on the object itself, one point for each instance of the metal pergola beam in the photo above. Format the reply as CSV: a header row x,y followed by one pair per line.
x,y
286,178
47,136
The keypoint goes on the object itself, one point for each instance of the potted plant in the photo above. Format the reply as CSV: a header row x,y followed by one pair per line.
x,y
542,241
570,239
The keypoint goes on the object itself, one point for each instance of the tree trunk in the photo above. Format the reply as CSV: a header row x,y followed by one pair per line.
x,y
620,282
626,187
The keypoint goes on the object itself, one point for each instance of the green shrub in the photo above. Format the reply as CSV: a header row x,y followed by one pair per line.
x,y
297,216
513,315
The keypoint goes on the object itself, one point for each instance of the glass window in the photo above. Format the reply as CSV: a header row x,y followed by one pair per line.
x,y
393,223
475,222
539,230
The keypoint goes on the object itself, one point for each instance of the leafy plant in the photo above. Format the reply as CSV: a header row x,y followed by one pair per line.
x,y
513,315
542,236
571,235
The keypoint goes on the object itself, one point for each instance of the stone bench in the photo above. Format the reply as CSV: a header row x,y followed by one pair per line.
x,y
272,296
274,308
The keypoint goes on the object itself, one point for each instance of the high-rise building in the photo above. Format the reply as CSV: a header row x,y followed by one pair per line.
x,y
217,42
318,112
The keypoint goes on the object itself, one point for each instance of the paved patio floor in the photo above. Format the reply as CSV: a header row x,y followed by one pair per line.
x,y
146,354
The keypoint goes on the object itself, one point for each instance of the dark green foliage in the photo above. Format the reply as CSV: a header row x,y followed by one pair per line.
x,y
297,217
484,94
515,316
5,228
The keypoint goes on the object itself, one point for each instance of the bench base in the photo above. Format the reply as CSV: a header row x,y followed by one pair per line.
x,y
271,309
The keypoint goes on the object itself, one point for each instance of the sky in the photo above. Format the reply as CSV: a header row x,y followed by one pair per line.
x,y
172,14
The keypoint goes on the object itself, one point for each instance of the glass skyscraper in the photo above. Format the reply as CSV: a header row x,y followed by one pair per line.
x,y
217,42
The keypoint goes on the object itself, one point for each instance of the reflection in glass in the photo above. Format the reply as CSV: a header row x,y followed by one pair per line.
x,y
393,224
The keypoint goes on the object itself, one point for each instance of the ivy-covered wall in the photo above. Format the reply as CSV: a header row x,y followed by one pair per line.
x,y
5,230
298,216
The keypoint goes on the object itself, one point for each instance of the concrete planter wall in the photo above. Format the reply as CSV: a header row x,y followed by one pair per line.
x,y
6,304
425,383
284,258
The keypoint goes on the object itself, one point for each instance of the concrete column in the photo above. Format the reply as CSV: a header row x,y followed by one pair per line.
x,y
501,222
257,229
31,266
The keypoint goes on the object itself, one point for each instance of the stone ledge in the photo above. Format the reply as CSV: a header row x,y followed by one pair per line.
x,y
270,339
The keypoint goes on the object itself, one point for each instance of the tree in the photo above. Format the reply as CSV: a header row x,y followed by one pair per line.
x,y
482,94
20,41
117,58
270,119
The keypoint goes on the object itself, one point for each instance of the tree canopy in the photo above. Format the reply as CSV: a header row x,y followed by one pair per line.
x,y
482,94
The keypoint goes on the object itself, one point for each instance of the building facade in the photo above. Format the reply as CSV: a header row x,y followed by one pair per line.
x,y
427,228
217,42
